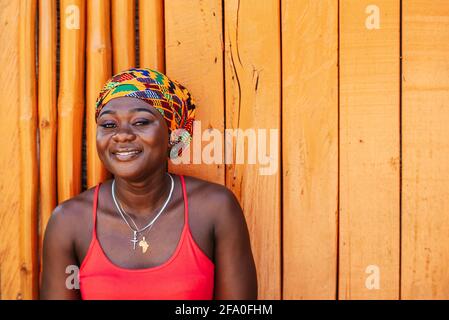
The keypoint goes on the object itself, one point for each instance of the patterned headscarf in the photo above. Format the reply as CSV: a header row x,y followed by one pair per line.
x,y
169,97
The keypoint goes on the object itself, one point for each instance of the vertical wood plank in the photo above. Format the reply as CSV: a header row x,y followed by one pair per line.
x,y
71,98
98,71
123,35
194,57
10,277
369,150
253,77
28,151
47,112
151,34
310,153
425,118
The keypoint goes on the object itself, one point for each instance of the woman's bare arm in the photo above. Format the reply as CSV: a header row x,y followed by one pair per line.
x,y
58,258
235,271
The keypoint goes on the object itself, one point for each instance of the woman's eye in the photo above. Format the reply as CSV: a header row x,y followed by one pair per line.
x,y
108,125
141,122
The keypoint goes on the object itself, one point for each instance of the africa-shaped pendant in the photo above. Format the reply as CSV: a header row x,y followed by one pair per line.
x,y
144,245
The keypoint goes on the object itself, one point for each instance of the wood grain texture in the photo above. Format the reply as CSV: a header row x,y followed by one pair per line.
x,y
152,34
28,152
123,35
47,115
425,118
17,112
10,276
98,71
194,57
369,150
252,77
71,98
310,148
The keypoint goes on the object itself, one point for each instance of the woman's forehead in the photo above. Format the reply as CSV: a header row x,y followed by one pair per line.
x,y
128,104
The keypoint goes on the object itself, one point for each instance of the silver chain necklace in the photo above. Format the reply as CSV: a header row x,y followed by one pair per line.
x,y
134,240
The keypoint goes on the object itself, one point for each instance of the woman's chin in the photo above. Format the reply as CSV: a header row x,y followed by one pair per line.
x,y
126,169
129,175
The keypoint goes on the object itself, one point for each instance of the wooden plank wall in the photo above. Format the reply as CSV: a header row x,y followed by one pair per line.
x,y
369,149
11,279
27,127
194,57
71,97
310,123
98,71
356,206
425,175
253,102
310,168
47,114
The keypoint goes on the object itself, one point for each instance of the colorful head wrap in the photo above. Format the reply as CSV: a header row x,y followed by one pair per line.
x,y
169,97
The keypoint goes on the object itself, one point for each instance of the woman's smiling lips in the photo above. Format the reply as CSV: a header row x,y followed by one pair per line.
x,y
126,155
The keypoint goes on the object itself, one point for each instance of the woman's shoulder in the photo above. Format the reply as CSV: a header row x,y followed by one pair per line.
x,y
207,189
212,198
73,205
216,204
74,211
67,221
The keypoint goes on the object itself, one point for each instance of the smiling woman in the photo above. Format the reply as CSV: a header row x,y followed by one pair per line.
x,y
147,234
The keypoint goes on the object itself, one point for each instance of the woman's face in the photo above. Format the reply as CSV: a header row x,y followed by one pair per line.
x,y
132,138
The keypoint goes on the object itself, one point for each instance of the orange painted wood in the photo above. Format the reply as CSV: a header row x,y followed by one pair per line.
x,y
10,277
152,34
98,71
369,150
123,35
425,149
71,98
194,57
47,112
253,101
28,153
310,153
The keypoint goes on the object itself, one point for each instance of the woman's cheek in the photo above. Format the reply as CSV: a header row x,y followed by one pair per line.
x,y
102,145
154,137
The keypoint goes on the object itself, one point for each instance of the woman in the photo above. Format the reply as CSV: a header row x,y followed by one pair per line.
x,y
147,234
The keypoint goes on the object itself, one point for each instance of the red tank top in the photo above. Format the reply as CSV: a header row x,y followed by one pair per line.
x,y
187,275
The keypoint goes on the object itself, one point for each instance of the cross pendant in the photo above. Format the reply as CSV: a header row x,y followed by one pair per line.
x,y
134,240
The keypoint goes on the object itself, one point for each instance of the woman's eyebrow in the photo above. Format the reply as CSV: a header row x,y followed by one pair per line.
x,y
142,109
106,112
132,110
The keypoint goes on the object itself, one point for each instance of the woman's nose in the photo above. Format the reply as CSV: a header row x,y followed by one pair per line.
x,y
124,133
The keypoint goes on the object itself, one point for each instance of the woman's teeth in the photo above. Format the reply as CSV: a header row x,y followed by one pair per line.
x,y
126,155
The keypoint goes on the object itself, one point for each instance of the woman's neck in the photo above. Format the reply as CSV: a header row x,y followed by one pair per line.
x,y
140,199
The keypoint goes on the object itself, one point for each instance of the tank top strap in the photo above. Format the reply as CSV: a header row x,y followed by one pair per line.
x,y
93,240
186,202
94,210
